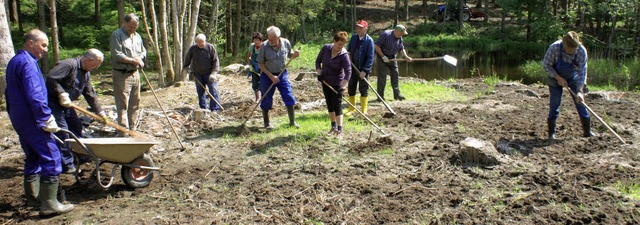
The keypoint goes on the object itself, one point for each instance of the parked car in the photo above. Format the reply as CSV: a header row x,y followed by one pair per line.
x,y
442,14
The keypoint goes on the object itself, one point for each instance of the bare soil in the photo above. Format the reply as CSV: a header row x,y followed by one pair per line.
x,y
415,175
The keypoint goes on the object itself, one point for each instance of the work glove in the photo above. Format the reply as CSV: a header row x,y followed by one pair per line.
x,y
580,98
385,59
213,77
65,100
104,116
51,126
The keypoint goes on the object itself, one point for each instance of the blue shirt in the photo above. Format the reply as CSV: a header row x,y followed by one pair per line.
x,y
26,93
274,57
362,51
555,52
336,69
389,44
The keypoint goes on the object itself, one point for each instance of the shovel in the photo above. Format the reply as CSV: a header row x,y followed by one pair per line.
x,y
598,117
343,98
374,91
447,58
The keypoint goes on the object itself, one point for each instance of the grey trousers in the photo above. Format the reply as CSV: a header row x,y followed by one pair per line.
x,y
382,69
126,91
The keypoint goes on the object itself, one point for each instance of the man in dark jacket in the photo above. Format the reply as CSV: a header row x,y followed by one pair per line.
x,y
203,59
361,50
69,79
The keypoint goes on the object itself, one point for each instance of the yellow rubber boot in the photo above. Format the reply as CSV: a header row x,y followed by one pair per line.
x,y
352,100
364,102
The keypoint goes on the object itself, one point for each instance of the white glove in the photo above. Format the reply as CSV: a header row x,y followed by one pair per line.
x,y
385,59
65,100
580,98
213,77
51,126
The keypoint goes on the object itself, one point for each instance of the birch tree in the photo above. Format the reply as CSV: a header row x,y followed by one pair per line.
x,y
55,44
6,52
166,55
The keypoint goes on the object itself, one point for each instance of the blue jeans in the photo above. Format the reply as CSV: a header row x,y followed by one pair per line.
x,y
202,96
555,93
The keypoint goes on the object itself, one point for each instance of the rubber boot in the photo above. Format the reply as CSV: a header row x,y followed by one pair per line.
x,y
364,103
586,127
292,117
265,119
551,126
352,100
258,95
49,203
32,189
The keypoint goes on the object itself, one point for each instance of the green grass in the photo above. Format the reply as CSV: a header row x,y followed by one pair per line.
x,y
428,92
313,125
631,190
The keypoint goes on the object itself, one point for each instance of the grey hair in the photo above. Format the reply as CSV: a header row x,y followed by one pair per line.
x,y
93,54
273,30
34,35
131,16
201,37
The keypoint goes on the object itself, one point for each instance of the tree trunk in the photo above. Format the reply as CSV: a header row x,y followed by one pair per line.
x,y
238,25
15,14
54,32
166,55
153,40
612,34
406,10
120,6
479,4
460,12
42,25
213,23
227,30
486,12
96,14
177,42
397,13
6,52
193,25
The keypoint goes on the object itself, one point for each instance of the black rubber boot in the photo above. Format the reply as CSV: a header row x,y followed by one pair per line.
x,y
551,126
292,117
49,203
265,119
586,127
32,189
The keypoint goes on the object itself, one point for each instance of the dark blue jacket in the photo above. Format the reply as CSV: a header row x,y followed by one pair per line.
x,y
365,53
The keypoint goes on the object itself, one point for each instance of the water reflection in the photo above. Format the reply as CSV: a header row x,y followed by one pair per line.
x,y
472,64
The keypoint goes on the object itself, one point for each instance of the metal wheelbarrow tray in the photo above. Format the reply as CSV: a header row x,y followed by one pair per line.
x,y
130,153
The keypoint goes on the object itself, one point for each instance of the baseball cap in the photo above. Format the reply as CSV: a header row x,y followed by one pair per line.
x,y
362,23
402,29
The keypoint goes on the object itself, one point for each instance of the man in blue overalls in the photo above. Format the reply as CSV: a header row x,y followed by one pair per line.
x,y
271,60
69,79
566,64
30,115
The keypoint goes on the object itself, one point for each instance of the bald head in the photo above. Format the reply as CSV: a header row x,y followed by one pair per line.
x,y
92,59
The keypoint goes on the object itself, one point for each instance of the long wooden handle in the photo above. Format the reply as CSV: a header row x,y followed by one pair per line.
x,y
112,124
264,94
598,117
209,93
162,108
357,110
374,90
418,59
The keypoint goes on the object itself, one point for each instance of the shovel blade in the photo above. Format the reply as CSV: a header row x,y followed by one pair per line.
x,y
450,59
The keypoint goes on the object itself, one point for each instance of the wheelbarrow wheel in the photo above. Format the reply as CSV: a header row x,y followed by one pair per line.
x,y
136,177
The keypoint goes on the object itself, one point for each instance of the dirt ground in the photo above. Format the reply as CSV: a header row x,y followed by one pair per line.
x,y
415,175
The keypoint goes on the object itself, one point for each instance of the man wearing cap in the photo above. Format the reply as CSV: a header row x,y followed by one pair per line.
x,y
387,47
361,54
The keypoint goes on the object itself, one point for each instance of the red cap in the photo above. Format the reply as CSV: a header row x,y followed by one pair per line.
x,y
362,23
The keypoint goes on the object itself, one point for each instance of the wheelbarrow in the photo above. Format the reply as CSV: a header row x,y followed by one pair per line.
x,y
129,154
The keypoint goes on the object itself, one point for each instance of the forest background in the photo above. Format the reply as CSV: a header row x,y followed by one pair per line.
x,y
610,29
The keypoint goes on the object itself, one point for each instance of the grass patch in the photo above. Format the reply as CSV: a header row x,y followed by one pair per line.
x,y
426,92
313,125
631,190
386,151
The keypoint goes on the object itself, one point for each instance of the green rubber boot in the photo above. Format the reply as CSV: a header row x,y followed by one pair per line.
x,y
49,203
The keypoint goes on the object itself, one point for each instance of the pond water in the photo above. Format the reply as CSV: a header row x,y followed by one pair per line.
x,y
476,64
